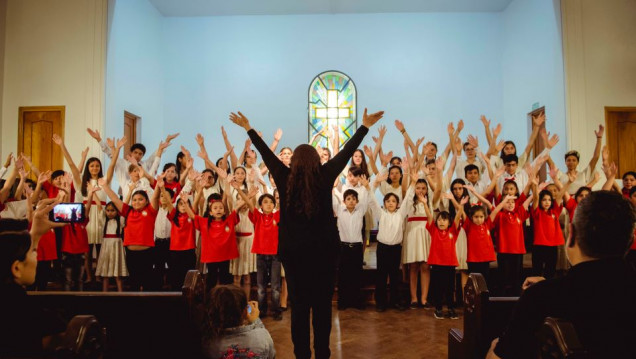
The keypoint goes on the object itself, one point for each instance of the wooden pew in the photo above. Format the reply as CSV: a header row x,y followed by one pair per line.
x,y
138,324
558,340
485,317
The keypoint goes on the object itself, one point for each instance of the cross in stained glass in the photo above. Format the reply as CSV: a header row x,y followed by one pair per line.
x,y
333,112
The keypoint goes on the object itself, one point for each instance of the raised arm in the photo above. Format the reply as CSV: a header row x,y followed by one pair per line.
x,y
486,123
400,127
481,198
371,162
109,192
77,177
245,197
277,136
113,161
597,148
493,215
229,148
537,121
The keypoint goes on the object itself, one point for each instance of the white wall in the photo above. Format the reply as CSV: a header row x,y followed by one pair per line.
x,y
54,55
532,65
600,58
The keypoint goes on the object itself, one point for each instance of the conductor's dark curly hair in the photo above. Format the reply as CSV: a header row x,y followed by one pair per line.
x,y
303,183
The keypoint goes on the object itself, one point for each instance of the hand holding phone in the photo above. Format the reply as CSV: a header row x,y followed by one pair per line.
x,y
68,213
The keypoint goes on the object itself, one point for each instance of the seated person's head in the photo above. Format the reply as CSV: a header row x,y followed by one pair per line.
x,y
350,198
510,163
18,255
471,172
353,176
629,180
137,151
581,193
632,196
602,227
226,308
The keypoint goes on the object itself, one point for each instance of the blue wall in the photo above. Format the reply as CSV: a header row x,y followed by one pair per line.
x,y
425,69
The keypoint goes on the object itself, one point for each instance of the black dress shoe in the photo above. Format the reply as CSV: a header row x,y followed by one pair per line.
x,y
380,309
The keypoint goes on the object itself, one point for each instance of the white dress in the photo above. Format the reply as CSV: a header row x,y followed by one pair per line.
x,y
112,257
95,226
246,261
417,240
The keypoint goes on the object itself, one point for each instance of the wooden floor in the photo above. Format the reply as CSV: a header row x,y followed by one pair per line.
x,y
413,333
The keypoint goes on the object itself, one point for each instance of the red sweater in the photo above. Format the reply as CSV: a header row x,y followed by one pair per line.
x,y
218,239
480,244
443,251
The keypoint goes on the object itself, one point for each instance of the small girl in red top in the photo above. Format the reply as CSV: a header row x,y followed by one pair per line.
x,y
480,245
547,232
182,256
265,246
75,247
508,218
442,258
218,240
139,238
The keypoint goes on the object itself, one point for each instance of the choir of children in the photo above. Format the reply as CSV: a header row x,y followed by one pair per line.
x,y
431,223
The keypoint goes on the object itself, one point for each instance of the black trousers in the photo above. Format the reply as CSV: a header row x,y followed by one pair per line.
x,y
140,271
73,268
544,259
161,253
218,272
179,263
388,258
43,274
350,275
443,286
479,267
630,258
311,289
510,266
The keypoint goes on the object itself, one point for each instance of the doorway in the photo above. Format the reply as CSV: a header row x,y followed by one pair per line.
x,y
131,127
620,123
36,126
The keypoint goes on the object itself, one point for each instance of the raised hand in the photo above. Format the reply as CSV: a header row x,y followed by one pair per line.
x,y
399,125
464,200
610,170
110,142
419,142
509,197
381,177
600,132
171,137
500,171
473,141
414,176
469,188
193,174
223,132
460,125
368,151
278,134
94,134
85,152
7,163
203,155
160,183
240,120
552,141
485,121
605,154
132,159
500,145
44,176
448,195
539,120
364,180
163,145
121,142
382,130
369,120
496,131
450,128
200,140
57,139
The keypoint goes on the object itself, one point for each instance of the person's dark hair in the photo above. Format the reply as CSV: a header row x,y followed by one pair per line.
x,y
245,156
420,180
56,174
303,183
363,163
572,153
395,158
632,191
502,154
581,190
266,195
350,192
629,173
510,158
469,168
328,151
15,243
168,165
244,184
170,192
178,165
511,182
434,145
388,179
228,165
475,209
86,175
544,193
442,215
389,195
603,225
143,194
224,308
175,219
451,210
118,231
138,146
464,145
214,197
430,162
356,171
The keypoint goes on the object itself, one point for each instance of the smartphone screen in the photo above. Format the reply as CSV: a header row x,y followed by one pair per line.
x,y
249,309
67,213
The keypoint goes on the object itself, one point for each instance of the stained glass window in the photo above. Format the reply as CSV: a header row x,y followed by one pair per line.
x,y
332,101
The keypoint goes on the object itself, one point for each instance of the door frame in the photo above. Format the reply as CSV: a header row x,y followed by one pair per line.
x,y
23,109
611,128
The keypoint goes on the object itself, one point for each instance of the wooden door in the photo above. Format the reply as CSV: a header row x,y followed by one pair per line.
x,y
35,131
130,130
621,137
539,146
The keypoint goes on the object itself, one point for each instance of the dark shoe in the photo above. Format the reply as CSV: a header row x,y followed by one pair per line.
x,y
414,305
283,309
380,309
452,314
398,306
438,314
278,316
427,305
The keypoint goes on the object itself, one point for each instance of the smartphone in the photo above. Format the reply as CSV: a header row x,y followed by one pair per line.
x,y
249,309
67,213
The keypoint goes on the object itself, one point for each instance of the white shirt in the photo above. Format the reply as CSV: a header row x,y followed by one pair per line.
x,y
480,186
582,179
350,223
385,187
463,162
391,226
521,178
162,224
363,194
15,210
141,185
150,165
